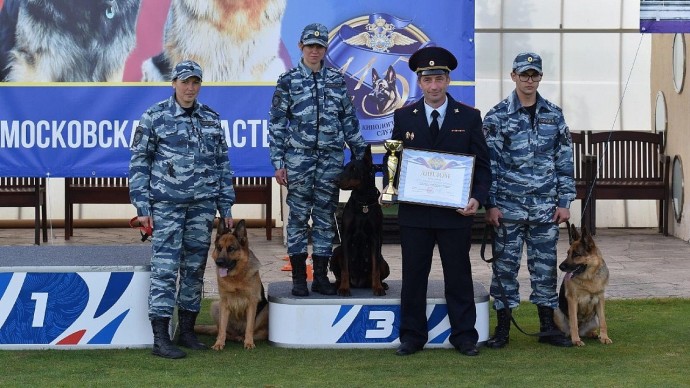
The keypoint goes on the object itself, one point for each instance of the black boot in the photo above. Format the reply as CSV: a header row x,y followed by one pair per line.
x,y
188,338
502,330
321,284
299,274
162,346
546,325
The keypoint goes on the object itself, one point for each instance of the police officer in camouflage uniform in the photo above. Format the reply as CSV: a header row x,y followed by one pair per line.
x,y
532,183
179,176
311,119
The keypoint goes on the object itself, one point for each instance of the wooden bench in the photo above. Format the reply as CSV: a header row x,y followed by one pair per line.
x,y
92,191
584,171
630,165
256,190
248,190
27,192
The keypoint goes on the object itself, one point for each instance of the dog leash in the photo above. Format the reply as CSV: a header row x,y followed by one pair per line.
x,y
501,224
145,231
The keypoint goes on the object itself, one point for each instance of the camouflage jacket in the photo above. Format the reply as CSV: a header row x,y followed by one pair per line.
x,y
312,111
529,160
180,159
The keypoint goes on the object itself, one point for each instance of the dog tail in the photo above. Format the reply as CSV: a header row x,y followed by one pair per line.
x,y
206,329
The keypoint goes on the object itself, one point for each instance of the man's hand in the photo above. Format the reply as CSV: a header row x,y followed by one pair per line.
x,y
383,204
281,176
562,215
145,221
492,216
228,222
470,209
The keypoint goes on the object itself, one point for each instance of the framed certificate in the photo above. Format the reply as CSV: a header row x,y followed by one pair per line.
x,y
435,178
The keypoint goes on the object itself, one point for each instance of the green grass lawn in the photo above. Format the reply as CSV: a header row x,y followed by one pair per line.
x,y
651,348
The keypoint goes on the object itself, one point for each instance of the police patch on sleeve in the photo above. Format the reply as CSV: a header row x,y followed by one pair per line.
x,y
567,139
276,99
138,134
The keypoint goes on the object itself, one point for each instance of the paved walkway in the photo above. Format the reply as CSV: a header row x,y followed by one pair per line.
x,y
643,263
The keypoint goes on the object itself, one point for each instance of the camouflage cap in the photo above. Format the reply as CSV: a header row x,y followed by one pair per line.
x,y
527,61
432,60
186,69
315,33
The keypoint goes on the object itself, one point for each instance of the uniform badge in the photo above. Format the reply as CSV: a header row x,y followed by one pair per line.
x,y
276,99
138,134
415,111
431,63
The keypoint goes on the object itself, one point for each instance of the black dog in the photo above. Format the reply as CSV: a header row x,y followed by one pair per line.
x,y
358,258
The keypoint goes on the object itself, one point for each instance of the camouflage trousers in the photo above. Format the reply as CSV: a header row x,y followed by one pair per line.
x,y
541,240
312,192
181,240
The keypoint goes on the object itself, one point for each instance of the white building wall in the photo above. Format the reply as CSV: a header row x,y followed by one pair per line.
x,y
596,67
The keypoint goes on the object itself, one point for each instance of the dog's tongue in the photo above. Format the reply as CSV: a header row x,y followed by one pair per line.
x,y
568,275
222,272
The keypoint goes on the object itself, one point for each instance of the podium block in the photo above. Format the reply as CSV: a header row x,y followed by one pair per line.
x,y
66,297
361,320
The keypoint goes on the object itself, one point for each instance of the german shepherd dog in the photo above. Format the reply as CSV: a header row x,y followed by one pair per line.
x,y
232,40
66,41
358,262
242,311
580,309
385,91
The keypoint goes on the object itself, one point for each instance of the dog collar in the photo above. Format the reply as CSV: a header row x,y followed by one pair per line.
x,y
365,208
365,205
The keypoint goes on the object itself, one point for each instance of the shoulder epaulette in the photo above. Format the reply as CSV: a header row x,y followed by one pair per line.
x,y
553,106
466,105
207,108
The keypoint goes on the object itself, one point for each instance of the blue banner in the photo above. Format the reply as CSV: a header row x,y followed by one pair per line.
x,y
85,131
78,119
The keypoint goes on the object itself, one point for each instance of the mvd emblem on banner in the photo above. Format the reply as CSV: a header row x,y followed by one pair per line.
x,y
373,51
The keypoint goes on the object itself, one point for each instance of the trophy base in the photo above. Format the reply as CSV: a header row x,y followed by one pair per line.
x,y
389,198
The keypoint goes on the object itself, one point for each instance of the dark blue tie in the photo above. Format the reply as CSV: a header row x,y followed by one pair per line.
x,y
434,128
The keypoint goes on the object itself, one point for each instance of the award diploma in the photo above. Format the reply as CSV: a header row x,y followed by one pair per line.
x,y
435,178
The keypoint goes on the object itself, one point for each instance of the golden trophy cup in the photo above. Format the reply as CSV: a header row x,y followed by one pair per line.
x,y
393,149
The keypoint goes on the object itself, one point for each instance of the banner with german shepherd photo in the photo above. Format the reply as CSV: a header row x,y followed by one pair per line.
x,y
77,75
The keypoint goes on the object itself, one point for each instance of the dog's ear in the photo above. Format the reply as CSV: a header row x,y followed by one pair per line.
x,y
390,75
221,230
587,239
241,232
574,235
374,75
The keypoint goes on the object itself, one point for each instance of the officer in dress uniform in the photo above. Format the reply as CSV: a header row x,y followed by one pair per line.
x,y
179,175
311,120
458,129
